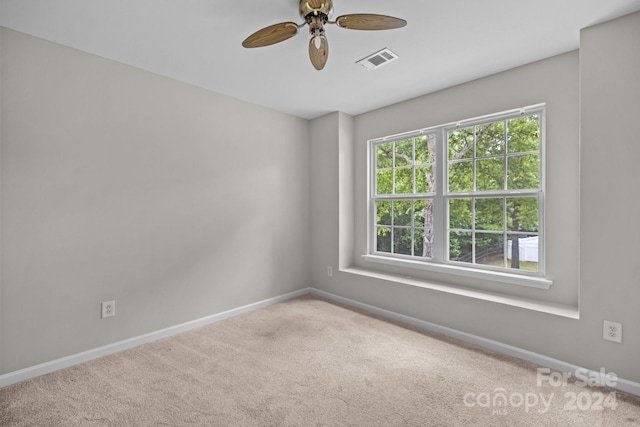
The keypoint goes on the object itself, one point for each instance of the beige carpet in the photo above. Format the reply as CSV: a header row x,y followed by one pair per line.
x,y
308,362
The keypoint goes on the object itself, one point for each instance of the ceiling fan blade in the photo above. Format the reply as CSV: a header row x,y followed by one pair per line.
x,y
318,51
271,35
367,21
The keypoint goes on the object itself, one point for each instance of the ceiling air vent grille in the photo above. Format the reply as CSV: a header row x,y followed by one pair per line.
x,y
378,59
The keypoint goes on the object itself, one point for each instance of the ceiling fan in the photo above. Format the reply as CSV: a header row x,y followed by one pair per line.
x,y
316,14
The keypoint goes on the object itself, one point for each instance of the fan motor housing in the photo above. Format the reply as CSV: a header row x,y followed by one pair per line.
x,y
313,7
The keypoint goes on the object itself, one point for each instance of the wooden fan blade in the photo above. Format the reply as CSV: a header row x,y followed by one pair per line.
x,y
271,35
318,54
365,21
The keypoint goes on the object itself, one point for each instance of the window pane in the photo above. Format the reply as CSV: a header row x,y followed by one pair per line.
x,y
460,213
522,252
424,154
428,243
425,181
523,172
402,242
404,181
419,207
402,213
383,213
404,152
423,213
461,177
384,183
490,139
522,214
423,221
460,143
490,249
383,239
523,134
418,242
460,246
490,214
384,155
490,174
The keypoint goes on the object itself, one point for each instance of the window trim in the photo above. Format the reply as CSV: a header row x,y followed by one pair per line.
x,y
441,264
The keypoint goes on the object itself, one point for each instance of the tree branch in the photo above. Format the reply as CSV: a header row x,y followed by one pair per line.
x,y
483,130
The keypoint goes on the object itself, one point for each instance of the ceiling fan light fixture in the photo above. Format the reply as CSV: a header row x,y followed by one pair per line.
x,y
317,41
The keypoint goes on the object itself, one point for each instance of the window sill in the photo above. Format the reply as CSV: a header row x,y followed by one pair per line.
x,y
495,276
562,310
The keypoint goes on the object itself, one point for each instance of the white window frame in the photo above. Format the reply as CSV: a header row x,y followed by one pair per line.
x,y
439,262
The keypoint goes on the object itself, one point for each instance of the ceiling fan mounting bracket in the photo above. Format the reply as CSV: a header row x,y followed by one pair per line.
x,y
316,25
310,8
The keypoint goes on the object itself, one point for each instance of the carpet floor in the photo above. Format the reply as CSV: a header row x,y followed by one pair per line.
x,y
310,362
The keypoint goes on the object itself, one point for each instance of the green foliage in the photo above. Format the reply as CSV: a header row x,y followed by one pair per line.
x,y
490,213
460,143
491,139
383,212
460,246
460,217
384,156
461,177
523,134
424,156
523,172
522,214
490,174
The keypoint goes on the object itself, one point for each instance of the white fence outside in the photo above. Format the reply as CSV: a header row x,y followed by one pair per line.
x,y
528,249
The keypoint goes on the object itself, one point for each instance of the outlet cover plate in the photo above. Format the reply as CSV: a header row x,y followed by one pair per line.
x,y
612,331
108,309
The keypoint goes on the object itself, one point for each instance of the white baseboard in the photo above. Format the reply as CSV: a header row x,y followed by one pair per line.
x,y
75,359
538,359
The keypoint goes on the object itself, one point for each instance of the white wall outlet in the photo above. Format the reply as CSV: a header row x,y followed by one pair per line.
x,y
108,309
612,331
330,271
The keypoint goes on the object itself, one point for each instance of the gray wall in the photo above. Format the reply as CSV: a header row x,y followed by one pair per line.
x,y
591,207
120,184
1,328
610,208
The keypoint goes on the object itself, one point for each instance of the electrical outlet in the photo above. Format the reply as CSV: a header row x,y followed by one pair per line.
x,y
612,331
330,271
108,309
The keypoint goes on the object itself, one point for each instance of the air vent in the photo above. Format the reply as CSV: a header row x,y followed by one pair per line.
x,y
377,59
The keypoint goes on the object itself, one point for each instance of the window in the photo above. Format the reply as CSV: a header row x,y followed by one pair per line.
x,y
468,194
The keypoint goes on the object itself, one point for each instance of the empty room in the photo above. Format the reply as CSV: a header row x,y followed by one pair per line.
x,y
319,213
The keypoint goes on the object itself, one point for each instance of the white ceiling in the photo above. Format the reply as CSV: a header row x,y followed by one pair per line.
x,y
199,42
